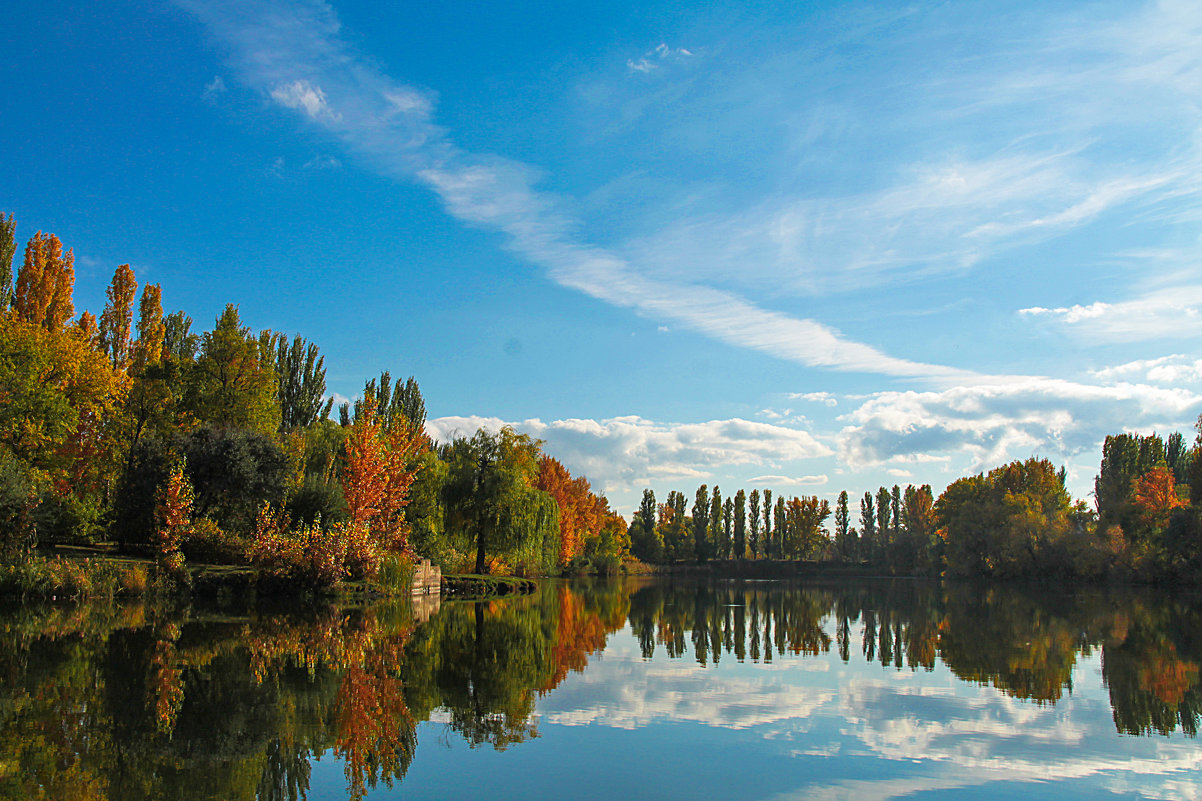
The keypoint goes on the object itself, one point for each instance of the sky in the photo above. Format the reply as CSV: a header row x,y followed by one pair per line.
x,y
811,246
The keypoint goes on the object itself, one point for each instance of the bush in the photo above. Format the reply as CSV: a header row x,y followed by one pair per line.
x,y
71,578
207,543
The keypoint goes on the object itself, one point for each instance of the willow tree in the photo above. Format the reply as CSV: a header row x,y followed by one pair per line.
x,y
490,499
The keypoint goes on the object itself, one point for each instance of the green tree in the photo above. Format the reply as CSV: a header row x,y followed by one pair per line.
x,y
768,551
701,523
842,540
740,524
779,517
715,532
301,389
489,497
728,520
884,524
753,523
868,538
8,248
178,339
233,380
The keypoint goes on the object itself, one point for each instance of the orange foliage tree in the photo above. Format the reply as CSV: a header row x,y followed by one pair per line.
x,y
45,284
1156,497
380,469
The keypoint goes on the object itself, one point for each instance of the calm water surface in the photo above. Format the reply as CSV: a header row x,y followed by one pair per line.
x,y
650,689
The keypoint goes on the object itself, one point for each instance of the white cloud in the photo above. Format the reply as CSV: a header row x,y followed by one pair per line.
x,y
791,481
625,453
991,424
654,58
825,398
1169,313
304,96
1173,369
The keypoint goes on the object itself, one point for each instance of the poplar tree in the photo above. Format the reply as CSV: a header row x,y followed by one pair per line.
x,y
728,516
8,249
779,517
117,319
740,524
841,526
152,332
715,533
45,284
868,525
883,526
753,523
301,377
895,511
768,552
701,523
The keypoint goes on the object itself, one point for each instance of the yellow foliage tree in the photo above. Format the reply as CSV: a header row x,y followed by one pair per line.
x,y
45,284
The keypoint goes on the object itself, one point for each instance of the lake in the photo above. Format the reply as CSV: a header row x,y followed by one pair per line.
x,y
651,688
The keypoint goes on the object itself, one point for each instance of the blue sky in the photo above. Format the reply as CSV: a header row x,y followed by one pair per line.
x,y
811,246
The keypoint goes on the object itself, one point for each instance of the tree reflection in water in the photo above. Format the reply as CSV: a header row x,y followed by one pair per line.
x,y
172,703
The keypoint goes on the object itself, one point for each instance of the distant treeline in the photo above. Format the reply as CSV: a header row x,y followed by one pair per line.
x,y
1014,521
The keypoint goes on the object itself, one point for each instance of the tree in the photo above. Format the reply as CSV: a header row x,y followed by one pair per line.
x,y
740,524
45,284
8,248
490,499
753,523
868,537
701,523
380,469
233,380
301,387
768,523
1156,498
1006,522
728,520
779,518
716,547
117,319
884,525
152,333
895,510
842,541
803,527
178,339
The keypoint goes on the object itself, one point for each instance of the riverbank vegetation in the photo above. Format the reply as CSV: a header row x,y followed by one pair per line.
x,y
217,448
220,447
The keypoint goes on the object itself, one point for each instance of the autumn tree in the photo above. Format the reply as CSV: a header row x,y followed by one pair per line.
x,y
1156,498
116,321
804,533
377,476
152,332
45,284
173,521
178,339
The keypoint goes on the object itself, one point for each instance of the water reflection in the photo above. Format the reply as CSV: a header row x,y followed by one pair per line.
x,y
137,702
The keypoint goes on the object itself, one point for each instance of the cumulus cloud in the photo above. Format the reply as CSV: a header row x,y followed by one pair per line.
x,y
990,424
622,453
